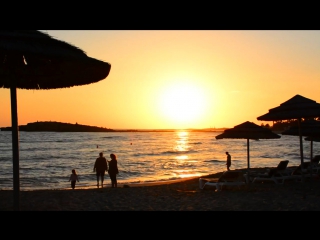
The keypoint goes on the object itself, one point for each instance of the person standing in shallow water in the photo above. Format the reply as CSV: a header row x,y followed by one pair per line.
x,y
228,161
73,178
100,167
113,170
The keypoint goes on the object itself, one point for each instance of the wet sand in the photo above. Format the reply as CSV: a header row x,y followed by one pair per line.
x,y
182,195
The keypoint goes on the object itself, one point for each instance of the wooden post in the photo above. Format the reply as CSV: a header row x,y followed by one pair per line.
x,y
301,158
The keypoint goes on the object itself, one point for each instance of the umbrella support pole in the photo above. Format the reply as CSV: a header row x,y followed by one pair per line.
x,y
301,157
248,164
15,148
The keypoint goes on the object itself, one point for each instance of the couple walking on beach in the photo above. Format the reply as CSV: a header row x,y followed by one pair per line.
x,y
101,166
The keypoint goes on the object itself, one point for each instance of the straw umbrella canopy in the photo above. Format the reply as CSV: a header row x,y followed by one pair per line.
x,y
31,59
297,107
248,130
34,60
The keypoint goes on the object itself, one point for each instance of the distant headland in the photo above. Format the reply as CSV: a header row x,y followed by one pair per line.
x,y
49,126
58,127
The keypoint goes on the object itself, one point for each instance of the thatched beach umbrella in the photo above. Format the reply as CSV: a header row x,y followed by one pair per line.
x,y
297,107
31,59
248,130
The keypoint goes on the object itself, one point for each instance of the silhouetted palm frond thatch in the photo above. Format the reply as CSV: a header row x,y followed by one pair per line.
x,y
32,59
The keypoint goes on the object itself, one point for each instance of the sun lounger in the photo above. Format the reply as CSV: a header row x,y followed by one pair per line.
x,y
228,178
276,179
276,175
314,166
308,172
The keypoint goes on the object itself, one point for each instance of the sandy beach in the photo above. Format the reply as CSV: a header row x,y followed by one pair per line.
x,y
183,195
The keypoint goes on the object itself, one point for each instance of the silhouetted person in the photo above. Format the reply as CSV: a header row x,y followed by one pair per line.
x,y
228,161
100,167
113,170
73,178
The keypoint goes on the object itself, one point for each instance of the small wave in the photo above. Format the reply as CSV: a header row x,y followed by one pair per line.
x,y
177,152
164,153
135,163
109,137
271,157
140,154
56,166
214,161
4,159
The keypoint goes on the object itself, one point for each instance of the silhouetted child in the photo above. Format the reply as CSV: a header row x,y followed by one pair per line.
x,y
73,178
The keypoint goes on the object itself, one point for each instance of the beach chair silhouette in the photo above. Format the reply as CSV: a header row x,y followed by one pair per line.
x,y
308,172
314,165
228,178
278,174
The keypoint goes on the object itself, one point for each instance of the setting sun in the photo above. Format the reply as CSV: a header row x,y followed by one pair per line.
x,y
183,103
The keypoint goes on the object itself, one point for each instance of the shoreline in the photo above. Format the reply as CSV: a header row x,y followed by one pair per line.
x,y
177,195
142,184
122,185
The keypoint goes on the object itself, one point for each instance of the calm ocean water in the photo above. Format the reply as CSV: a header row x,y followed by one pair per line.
x,y
47,158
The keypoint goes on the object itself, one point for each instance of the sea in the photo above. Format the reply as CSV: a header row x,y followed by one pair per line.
x,y
47,158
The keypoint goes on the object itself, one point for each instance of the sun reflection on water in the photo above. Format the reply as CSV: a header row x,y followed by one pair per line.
x,y
186,174
182,142
182,146
182,157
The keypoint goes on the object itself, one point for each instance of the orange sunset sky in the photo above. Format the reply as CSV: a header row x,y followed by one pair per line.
x,y
176,79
